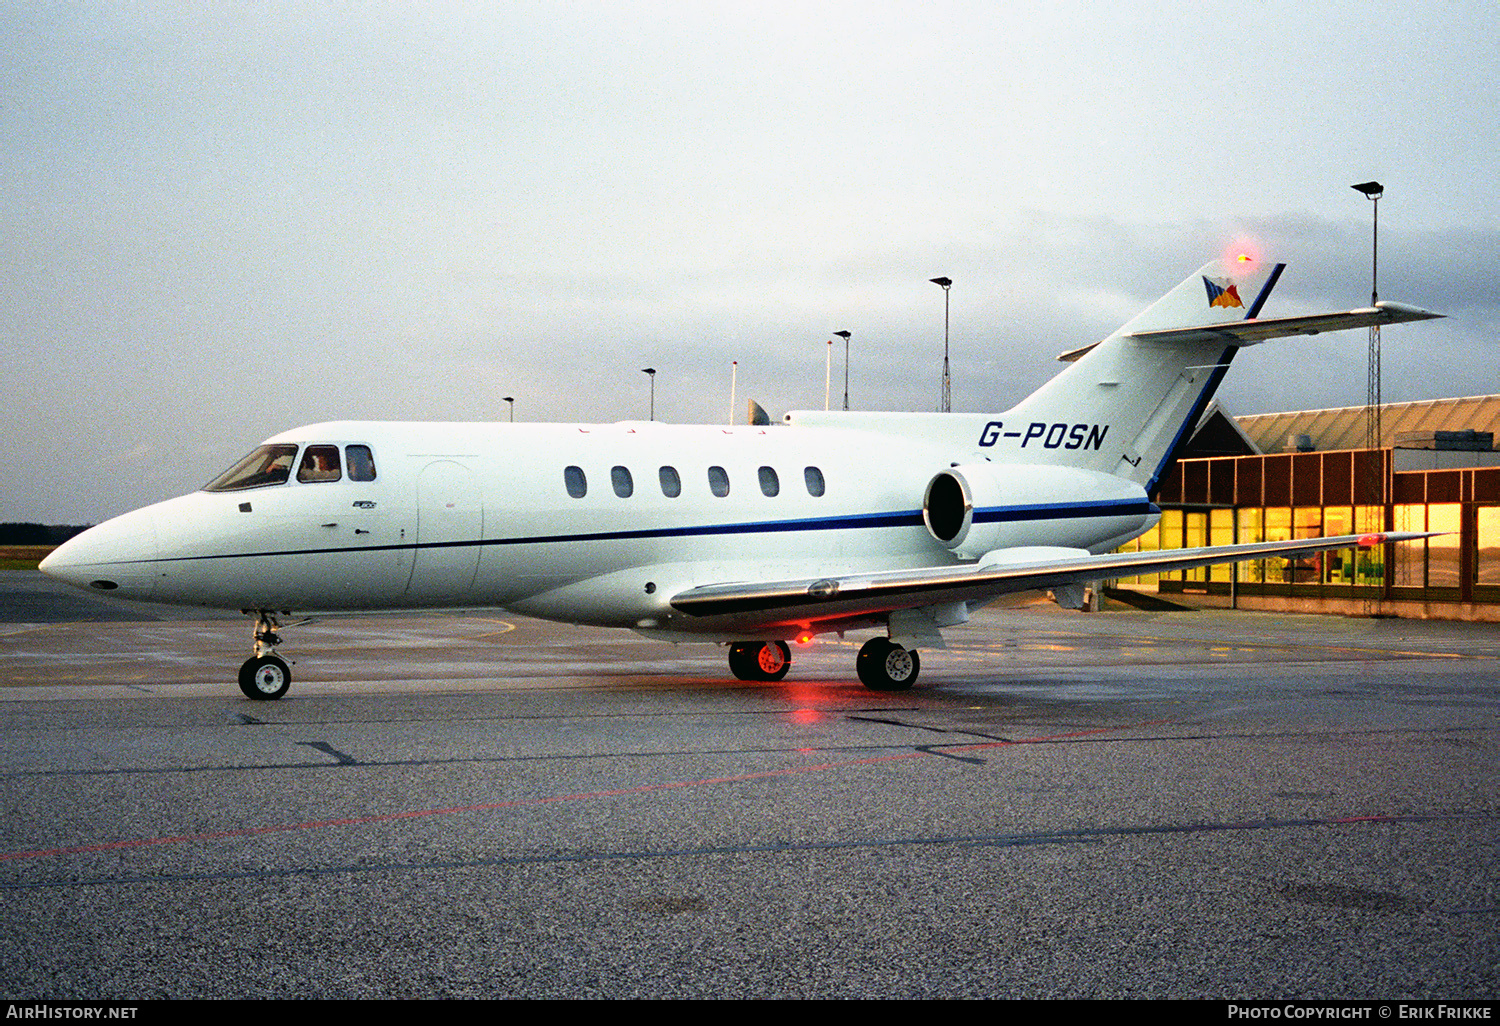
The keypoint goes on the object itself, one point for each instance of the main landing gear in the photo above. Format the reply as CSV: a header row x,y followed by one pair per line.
x,y
882,664
760,660
264,676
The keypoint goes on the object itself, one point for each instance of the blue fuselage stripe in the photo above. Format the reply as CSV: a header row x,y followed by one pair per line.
x,y
905,518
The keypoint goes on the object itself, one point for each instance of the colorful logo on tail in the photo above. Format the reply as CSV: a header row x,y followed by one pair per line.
x,y
1222,293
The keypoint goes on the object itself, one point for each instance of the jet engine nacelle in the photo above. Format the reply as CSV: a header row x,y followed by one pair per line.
x,y
979,507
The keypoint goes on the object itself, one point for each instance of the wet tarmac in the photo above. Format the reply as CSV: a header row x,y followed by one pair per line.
x,y
1120,804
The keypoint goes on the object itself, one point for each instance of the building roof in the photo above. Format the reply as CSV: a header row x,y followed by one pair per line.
x,y
1219,434
1345,428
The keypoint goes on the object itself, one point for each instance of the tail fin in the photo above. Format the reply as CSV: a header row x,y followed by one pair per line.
x,y
1126,405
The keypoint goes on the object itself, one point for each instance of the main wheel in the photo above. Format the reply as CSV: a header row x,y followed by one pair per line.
x,y
773,660
760,660
265,678
742,661
883,665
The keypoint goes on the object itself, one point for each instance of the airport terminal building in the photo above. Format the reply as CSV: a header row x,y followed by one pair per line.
x,y
1295,475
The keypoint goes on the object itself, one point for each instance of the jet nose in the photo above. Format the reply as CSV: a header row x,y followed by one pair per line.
x,y
118,556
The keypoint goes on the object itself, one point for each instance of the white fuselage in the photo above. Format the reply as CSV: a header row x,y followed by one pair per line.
x,y
481,515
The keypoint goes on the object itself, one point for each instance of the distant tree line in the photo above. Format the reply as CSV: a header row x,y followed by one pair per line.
x,y
38,534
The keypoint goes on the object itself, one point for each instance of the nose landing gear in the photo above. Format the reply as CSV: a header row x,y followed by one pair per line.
x,y
265,676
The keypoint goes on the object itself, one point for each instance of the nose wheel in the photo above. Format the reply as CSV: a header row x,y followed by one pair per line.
x,y
265,676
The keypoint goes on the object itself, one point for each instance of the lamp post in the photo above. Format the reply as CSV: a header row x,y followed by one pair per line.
x,y
512,401
650,372
945,284
845,336
1373,191
827,373
1374,478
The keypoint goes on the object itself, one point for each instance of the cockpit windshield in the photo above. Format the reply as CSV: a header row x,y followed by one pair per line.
x,y
268,465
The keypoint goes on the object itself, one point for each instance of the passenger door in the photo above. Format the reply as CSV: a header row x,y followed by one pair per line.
x,y
450,522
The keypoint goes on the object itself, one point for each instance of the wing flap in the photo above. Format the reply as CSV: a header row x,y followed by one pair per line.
x,y
864,593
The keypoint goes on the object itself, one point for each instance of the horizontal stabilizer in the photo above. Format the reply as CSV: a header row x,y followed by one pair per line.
x,y
1245,333
1248,333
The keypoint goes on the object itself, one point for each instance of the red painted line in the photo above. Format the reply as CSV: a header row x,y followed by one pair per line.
x,y
220,835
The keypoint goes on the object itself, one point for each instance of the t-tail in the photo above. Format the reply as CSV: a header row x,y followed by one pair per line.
x,y
1127,405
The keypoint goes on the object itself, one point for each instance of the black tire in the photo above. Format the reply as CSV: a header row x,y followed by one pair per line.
x,y
772,660
742,661
883,665
265,678
760,660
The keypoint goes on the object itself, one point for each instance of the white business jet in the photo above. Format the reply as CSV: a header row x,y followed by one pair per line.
x,y
751,536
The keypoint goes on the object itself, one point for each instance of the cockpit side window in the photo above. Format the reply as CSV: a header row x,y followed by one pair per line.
x,y
361,462
268,465
319,463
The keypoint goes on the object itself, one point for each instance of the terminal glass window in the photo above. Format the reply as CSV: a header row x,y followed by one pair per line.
x,y
268,465
577,484
1307,522
1369,564
1443,551
1195,535
1148,542
319,463
671,484
623,484
1487,543
1278,528
718,481
1251,525
1410,557
1220,532
1338,567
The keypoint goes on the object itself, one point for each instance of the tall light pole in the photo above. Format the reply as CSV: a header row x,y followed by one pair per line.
x,y
946,284
650,372
512,401
845,336
827,373
1375,476
1373,191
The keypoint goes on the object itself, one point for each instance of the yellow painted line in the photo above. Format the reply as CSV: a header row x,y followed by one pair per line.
x,y
34,628
1255,646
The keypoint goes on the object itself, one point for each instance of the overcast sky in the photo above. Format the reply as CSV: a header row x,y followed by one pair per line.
x,y
224,220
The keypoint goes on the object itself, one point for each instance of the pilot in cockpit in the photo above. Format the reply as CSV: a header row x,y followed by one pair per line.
x,y
319,464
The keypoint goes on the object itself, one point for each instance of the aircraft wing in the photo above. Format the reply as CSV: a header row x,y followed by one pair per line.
x,y
999,573
1250,332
